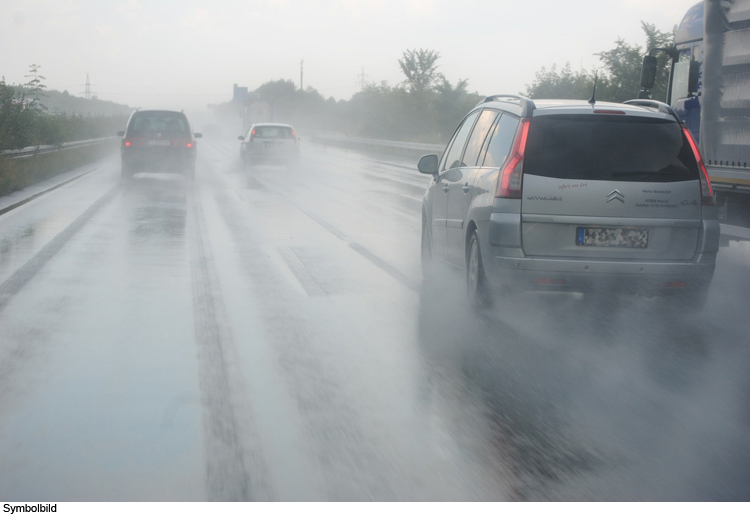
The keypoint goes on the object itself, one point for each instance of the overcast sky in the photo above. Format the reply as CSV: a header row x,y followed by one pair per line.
x,y
185,54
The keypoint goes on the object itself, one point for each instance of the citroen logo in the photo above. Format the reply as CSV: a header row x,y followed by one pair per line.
x,y
615,195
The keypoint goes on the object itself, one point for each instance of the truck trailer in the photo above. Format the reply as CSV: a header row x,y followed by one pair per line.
x,y
709,88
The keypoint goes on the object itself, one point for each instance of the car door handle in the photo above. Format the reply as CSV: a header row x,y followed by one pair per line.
x,y
465,187
445,189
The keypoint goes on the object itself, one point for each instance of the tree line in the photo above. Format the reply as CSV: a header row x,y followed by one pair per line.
x,y
426,107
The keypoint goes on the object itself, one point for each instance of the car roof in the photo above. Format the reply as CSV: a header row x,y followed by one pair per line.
x,y
575,106
138,111
272,124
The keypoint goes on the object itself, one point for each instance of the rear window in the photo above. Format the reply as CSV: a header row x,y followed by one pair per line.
x,y
606,147
273,132
159,124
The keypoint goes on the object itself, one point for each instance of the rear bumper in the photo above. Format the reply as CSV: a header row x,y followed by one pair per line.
x,y
148,159
278,158
534,274
508,267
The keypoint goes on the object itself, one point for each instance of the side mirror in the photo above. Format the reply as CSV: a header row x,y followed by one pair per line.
x,y
648,72
198,135
428,164
241,138
120,133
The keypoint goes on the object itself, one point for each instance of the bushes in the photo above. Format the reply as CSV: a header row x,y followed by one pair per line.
x,y
24,121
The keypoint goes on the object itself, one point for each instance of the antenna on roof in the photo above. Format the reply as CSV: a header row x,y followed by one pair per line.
x,y
593,96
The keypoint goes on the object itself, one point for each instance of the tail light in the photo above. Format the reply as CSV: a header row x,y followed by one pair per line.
x,y
707,193
252,135
182,142
511,176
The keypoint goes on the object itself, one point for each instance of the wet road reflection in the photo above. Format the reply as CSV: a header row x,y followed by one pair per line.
x,y
266,335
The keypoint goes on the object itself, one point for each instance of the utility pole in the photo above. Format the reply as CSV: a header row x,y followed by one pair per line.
x,y
87,94
362,77
301,86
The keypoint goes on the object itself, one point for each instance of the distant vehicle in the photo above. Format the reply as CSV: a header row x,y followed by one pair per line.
x,y
551,195
158,141
269,143
709,77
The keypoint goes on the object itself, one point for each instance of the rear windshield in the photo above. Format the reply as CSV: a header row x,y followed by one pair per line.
x,y
606,147
272,131
159,124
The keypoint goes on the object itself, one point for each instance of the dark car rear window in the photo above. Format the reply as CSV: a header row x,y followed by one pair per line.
x,y
607,147
159,124
271,131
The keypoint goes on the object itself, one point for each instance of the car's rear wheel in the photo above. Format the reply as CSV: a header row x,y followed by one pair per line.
x,y
476,280
126,172
189,172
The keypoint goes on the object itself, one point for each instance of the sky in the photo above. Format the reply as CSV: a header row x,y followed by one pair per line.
x,y
187,54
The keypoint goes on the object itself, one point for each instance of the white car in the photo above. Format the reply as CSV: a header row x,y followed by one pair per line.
x,y
269,143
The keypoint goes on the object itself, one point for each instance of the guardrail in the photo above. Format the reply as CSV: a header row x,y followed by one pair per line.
x,y
34,150
377,145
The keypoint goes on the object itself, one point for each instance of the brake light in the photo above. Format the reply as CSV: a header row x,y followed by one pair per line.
x,y
252,135
511,176
707,192
181,142
127,144
602,111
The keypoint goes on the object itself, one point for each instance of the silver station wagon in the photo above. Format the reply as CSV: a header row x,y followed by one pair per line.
x,y
572,196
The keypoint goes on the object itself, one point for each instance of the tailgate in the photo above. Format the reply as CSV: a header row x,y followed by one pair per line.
x,y
604,219
609,187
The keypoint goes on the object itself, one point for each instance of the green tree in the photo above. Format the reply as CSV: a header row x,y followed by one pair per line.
x,y
420,69
619,78
563,84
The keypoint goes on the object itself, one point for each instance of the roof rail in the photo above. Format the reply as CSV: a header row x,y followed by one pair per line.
x,y
527,106
662,107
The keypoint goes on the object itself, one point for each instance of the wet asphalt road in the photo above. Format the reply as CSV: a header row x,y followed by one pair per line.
x,y
265,335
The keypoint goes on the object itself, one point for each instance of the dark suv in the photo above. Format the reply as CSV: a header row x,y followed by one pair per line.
x,y
572,196
158,141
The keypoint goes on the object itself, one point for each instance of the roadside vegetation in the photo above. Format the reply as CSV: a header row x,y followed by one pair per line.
x,y
426,106
26,121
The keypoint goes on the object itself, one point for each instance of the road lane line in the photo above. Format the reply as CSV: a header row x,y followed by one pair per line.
x,y
18,280
360,249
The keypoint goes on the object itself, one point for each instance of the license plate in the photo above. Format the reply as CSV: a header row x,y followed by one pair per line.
x,y
612,237
159,142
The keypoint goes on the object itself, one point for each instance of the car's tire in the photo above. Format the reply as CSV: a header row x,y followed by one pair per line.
x,y
428,263
126,172
189,172
476,280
